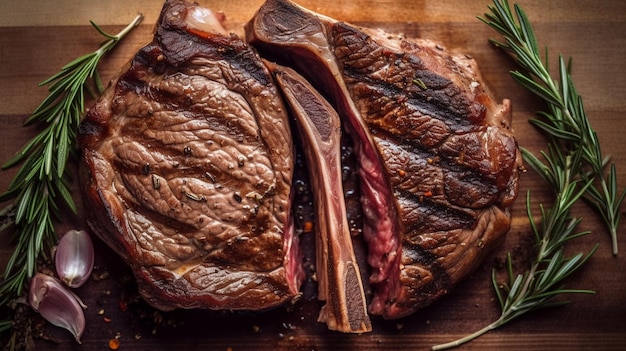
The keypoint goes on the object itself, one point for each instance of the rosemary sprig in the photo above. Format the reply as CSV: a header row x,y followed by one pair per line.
x,y
574,163
565,122
41,185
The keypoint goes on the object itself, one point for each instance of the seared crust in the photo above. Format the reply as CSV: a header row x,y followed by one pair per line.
x,y
187,171
439,164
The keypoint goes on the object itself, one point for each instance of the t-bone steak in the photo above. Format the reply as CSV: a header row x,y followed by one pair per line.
x,y
188,166
438,162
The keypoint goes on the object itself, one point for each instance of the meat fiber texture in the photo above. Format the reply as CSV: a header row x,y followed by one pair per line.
x,y
438,161
187,170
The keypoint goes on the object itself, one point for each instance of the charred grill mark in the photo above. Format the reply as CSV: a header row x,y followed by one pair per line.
x,y
419,155
424,214
249,65
177,102
216,178
382,78
379,98
416,254
422,291
243,251
180,47
428,173
165,220
370,92
470,190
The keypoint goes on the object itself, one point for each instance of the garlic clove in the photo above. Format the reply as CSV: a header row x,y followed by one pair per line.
x,y
56,304
74,258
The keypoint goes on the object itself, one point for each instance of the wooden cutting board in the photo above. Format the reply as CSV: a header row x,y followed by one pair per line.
x,y
38,37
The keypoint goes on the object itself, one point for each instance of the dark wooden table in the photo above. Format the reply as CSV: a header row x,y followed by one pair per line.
x,y
38,37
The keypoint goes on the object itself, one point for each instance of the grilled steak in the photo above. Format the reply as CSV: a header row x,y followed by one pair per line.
x,y
338,273
187,170
438,161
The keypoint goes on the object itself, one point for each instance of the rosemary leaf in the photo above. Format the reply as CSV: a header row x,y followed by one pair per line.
x,y
555,131
5,325
536,88
528,34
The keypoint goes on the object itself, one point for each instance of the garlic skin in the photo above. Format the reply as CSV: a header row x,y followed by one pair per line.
x,y
56,304
74,258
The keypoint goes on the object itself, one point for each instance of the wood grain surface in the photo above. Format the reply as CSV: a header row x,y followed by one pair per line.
x,y
38,37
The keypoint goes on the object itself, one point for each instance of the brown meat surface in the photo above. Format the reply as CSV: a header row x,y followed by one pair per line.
x,y
438,161
188,164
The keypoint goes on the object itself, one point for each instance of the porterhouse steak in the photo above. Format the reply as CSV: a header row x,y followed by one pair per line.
x,y
188,167
188,164
438,161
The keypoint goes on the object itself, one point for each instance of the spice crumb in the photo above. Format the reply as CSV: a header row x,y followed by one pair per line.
x,y
114,344
308,226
